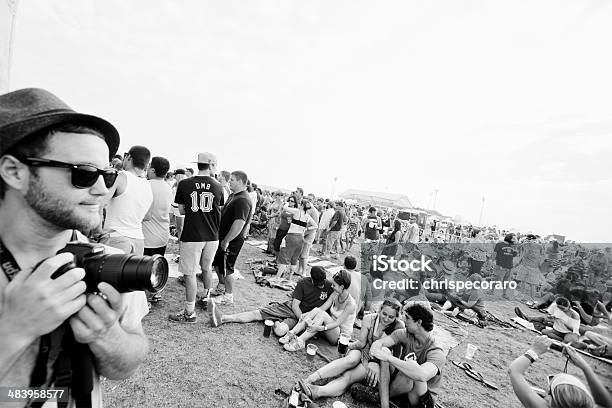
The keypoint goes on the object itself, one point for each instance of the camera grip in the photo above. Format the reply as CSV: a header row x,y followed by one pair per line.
x,y
63,269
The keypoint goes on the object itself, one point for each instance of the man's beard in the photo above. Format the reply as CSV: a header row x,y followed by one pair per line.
x,y
54,210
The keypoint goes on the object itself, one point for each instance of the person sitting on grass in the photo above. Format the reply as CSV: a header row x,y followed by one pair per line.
x,y
564,390
470,299
591,310
308,294
412,378
595,343
564,320
361,287
356,365
339,320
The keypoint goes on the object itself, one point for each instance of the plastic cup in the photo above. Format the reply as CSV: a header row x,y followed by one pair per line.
x,y
268,327
311,351
470,351
343,342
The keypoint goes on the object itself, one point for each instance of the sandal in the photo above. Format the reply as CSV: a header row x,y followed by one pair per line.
x,y
462,365
478,377
304,387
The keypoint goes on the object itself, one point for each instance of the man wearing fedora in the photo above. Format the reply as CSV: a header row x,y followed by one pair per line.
x,y
54,176
200,199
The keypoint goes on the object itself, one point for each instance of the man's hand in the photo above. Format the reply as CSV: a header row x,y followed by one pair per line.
x,y
575,357
223,245
373,374
98,316
34,304
382,353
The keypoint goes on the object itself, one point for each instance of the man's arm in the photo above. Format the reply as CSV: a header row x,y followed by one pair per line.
x,y
117,349
181,208
119,354
119,187
234,231
295,306
413,370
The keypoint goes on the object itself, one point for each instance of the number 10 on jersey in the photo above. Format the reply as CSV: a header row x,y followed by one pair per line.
x,y
201,201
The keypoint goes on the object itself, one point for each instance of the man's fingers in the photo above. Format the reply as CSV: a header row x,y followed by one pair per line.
x,y
91,319
73,307
69,278
73,292
50,265
112,295
101,309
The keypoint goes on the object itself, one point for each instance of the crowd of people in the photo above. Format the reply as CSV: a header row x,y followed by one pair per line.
x,y
57,185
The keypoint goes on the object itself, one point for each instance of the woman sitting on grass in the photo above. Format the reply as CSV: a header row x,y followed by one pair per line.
x,y
356,365
342,311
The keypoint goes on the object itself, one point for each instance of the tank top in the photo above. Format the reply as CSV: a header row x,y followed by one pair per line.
x,y
336,310
125,212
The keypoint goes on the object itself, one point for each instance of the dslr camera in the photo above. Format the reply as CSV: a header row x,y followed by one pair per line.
x,y
126,273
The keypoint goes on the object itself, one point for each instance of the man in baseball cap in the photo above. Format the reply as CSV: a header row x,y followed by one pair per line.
x,y
199,199
54,175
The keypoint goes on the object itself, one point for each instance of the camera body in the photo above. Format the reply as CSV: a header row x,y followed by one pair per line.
x,y
556,347
125,273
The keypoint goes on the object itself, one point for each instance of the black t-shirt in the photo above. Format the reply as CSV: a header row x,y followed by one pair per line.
x,y
338,217
202,197
505,254
311,296
238,207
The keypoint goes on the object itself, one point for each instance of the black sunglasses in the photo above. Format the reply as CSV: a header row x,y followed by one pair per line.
x,y
83,175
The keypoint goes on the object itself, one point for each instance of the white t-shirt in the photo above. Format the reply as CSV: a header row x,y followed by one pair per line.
x,y
253,197
326,217
125,212
156,224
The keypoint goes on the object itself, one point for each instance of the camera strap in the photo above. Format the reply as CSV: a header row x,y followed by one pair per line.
x,y
39,375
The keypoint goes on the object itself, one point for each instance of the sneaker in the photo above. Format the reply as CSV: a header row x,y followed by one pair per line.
x,y
183,317
218,291
203,303
215,314
364,393
177,259
295,345
287,338
225,300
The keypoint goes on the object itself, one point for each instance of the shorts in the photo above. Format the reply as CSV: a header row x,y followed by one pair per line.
x,y
126,244
332,238
280,311
225,260
290,253
196,255
155,251
307,244
503,274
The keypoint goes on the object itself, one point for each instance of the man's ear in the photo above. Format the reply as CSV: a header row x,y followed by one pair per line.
x,y
13,172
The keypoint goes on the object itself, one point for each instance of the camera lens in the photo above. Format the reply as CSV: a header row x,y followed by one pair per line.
x,y
128,272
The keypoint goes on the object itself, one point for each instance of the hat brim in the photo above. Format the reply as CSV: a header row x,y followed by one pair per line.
x,y
14,133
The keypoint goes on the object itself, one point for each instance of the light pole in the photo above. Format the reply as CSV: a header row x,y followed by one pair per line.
x,y
333,194
481,211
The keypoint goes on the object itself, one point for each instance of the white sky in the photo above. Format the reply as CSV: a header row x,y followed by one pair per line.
x,y
510,100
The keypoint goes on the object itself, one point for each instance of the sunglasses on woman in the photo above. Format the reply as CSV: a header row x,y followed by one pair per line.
x,y
82,175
